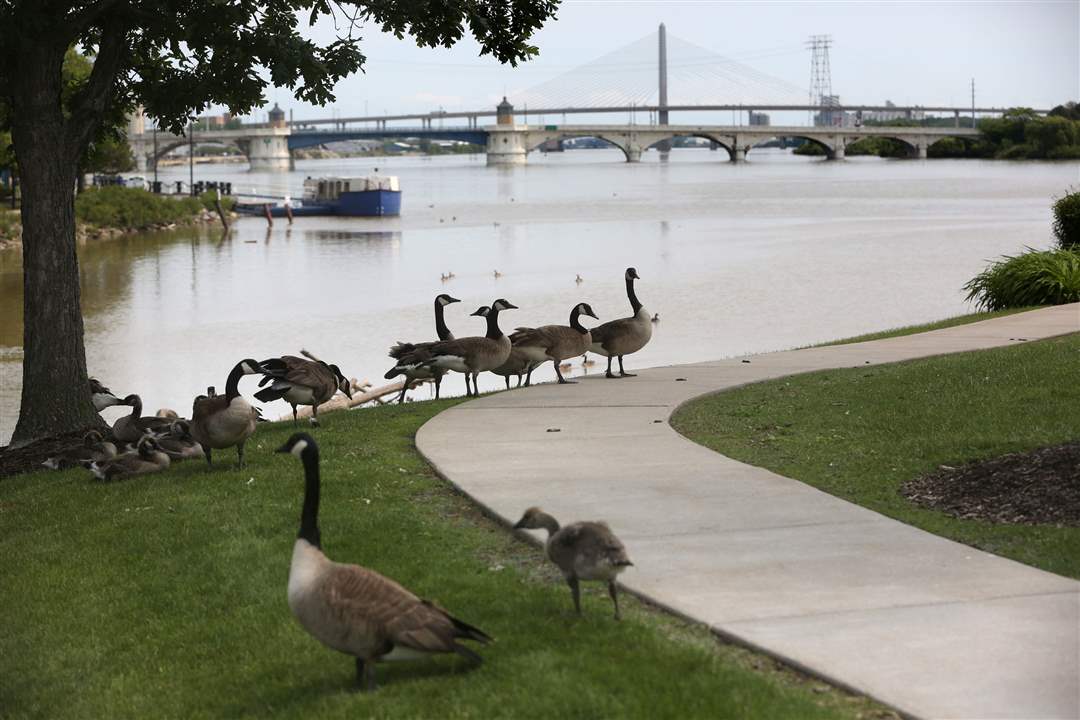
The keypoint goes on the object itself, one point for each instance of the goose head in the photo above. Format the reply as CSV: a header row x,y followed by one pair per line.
x,y
585,309
531,520
342,382
445,299
631,274
502,304
180,429
92,438
148,445
250,367
301,445
482,311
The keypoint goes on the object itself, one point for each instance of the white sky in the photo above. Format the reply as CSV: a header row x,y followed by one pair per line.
x,y
1020,53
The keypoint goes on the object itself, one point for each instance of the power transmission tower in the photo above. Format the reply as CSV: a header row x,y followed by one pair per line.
x,y
820,74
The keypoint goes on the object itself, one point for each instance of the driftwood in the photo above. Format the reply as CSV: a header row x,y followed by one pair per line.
x,y
366,394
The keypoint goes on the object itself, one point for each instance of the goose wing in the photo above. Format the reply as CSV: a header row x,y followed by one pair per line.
x,y
587,546
371,602
603,334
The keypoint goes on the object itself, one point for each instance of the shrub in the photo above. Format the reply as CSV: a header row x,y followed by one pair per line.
x,y
1067,220
122,207
1037,277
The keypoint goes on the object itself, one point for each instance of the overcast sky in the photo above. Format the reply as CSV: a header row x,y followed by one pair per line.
x,y
1020,53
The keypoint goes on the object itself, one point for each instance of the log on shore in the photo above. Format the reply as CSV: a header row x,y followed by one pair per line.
x,y
367,394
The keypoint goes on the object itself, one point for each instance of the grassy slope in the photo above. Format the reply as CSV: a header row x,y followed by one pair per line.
x,y
926,327
860,433
165,597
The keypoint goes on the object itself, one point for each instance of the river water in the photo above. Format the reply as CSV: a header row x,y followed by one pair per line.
x,y
778,252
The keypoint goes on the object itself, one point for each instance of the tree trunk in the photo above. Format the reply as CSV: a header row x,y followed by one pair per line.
x,y
55,390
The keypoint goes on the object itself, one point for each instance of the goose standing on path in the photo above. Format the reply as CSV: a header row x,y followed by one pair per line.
x,y
554,342
468,355
624,336
355,610
130,428
416,372
222,421
582,550
299,381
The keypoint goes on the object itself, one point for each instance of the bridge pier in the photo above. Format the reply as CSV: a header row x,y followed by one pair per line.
x,y
920,150
738,154
633,154
269,153
506,146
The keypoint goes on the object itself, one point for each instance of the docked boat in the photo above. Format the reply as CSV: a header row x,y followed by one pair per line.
x,y
372,196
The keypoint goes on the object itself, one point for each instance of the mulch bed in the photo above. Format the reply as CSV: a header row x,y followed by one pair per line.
x,y
28,458
1041,486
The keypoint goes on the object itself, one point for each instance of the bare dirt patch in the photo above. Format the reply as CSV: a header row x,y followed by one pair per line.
x,y
1037,487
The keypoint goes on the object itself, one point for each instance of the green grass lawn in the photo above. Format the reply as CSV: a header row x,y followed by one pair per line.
x,y
164,597
860,433
925,327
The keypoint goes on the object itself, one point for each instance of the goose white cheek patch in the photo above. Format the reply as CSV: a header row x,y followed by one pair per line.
x,y
299,447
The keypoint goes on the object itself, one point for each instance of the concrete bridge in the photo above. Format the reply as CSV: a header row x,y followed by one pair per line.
x,y
270,148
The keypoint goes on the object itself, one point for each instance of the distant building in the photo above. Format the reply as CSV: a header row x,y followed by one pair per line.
x,y
277,117
504,113
757,118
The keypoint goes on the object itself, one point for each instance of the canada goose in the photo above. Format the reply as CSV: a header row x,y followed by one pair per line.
x,y
95,448
656,318
149,459
417,372
299,381
582,550
102,396
167,413
355,610
130,428
497,274
616,338
179,444
517,364
225,420
586,362
469,355
579,279
555,342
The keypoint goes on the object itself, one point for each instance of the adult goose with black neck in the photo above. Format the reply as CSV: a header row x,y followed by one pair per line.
x,y
224,421
355,610
130,428
554,342
624,336
468,355
101,396
413,372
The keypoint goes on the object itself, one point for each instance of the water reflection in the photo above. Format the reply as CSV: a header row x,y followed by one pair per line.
x,y
776,253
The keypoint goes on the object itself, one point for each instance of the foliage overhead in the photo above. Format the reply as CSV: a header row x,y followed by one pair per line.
x,y
176,57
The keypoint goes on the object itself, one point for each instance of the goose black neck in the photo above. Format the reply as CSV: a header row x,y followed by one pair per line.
x,y
232,385
493,330
575,322
309,516
634,302
548,523
136,407
440,323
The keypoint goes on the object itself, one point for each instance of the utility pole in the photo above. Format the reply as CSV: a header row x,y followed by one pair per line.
x,y
663,117
191,157
972,103
155,154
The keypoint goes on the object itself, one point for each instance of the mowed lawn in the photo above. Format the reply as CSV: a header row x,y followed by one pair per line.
x,y
164,597
860,433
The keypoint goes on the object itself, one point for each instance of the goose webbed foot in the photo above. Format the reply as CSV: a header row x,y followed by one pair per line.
x,y
611,375
209,455
626,374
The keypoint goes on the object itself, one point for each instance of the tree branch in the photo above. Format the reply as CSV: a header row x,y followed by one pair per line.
x,y
78,23
89,107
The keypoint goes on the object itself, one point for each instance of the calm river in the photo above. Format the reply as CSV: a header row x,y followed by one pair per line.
x,y
778,252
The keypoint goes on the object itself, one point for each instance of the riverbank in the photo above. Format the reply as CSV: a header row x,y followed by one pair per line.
x,y
181,577
108,212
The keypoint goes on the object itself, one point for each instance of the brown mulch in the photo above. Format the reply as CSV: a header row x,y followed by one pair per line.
x,y
28,458
1041,486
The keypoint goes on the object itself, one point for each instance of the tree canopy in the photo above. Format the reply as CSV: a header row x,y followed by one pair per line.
x,y
174,58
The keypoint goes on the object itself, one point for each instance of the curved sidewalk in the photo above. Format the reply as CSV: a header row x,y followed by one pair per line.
x,y
929,626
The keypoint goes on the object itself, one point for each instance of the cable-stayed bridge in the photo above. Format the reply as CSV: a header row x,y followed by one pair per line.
x,y
645,82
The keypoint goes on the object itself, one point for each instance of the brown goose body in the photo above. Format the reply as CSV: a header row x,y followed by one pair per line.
x,y
517,364
617,338
415,371
299,381
94,449
179,443
582,551
555,342
224,421
356,610
148,459
130,428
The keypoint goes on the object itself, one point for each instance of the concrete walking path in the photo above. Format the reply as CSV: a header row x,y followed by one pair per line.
x,y
929,626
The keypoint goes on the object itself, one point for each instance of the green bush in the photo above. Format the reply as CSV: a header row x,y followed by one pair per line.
x,y
1067,220
1037,277
208,197
880,146
133,208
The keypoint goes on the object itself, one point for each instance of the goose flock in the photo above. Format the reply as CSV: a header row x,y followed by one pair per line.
x,y
349,608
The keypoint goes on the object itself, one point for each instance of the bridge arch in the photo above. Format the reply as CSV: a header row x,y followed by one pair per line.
x,y
725,142
830,150
539,139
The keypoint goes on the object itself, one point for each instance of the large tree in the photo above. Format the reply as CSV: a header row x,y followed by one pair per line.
x,y
173,57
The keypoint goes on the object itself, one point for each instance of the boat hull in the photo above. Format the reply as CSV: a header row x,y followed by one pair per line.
x,y
366,203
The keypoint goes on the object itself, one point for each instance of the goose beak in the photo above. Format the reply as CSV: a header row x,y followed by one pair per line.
x,y
511,306
451,299
284,449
